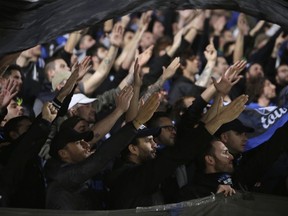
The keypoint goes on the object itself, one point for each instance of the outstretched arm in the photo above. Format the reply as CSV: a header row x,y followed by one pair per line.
x,y
97,78
167,74
211,56
239,45
101,128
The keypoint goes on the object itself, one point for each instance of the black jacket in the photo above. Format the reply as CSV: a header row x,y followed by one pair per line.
x,y
135,185
22,181
70,187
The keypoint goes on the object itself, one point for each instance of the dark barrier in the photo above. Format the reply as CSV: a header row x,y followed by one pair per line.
x,y
26,23
240,204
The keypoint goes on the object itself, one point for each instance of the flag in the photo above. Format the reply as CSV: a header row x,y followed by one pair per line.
x,y
26,23
265,121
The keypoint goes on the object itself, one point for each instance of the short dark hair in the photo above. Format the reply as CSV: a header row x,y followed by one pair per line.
x,y
13,125
187,56
50,63
92,51
207,149
255,87
153,122
9,70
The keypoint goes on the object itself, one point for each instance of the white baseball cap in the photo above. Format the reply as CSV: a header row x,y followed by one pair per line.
x,y
80,99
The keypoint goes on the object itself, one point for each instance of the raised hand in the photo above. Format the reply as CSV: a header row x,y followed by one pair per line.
x,y
229,78
124,98
125,20
213,110
171,69
117,35
279,40
7,93
49,112
219,24
210,52
144,57
227,190
145,20
84,67
137,75
242,24
198,21
146,110
178,38
78,71
225,114
231,111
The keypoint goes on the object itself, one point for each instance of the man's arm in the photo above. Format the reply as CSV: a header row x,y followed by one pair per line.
x,y
211,56
72,176
167,74
101,128
97,78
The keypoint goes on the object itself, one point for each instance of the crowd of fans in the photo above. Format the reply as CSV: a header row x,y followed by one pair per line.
x,y
142,110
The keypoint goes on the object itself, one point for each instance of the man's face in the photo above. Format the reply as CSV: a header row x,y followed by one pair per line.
x,y
269,89
193,65
86,42
61,65
168,132
222,66
146,148
282,75
81,127
255,70
14,110
17,78
147,40
77,151
223,159
235,141
158,29
128,36
87,112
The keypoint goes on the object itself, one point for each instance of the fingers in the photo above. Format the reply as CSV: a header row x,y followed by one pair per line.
x,y
239,65
226,190
52,108
214,80
212,41
237,80
149,49
175,64
9,86
238,105
136,65
152,103
126,94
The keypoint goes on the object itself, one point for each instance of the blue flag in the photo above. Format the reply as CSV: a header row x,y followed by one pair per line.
x,y
265,121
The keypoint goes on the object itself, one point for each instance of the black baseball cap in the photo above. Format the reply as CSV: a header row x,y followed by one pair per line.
x,y
148,132
65,136
235,125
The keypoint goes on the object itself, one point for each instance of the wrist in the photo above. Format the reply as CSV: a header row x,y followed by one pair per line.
x,y
118,111
211,62
113,45
137,124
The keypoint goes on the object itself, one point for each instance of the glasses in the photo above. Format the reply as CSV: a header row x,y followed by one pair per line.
x,y
169,127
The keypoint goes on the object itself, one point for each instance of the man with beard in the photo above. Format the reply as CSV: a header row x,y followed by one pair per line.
x,y
166,139
261,169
